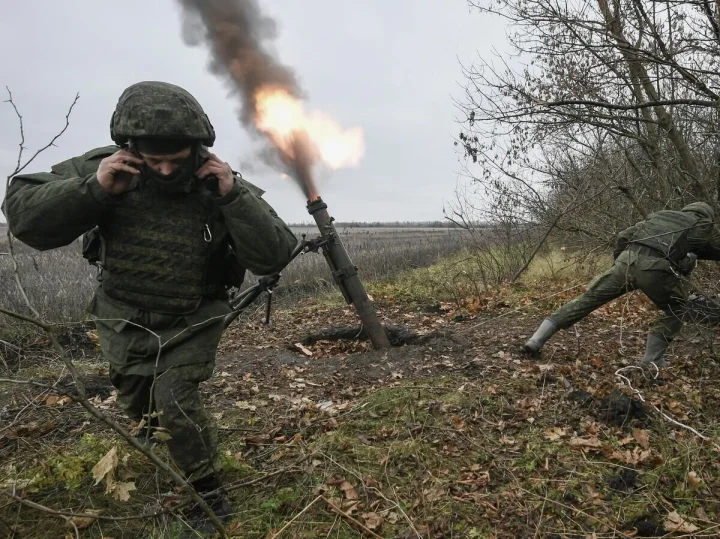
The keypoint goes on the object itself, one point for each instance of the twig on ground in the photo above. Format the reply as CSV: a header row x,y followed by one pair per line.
x,y
376,491
65,516
293,519
344,515
29,383
626,380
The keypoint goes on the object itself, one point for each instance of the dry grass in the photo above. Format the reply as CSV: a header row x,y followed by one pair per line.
x,y
60,282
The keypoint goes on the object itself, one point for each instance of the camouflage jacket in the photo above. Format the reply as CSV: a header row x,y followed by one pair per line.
x,y
52,209
693,229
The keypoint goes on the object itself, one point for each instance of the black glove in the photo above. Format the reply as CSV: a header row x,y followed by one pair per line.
x,y
620,246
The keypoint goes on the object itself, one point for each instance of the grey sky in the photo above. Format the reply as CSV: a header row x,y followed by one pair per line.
x,y
391,67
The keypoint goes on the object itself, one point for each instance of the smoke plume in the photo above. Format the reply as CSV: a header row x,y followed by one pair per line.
x,y
237,35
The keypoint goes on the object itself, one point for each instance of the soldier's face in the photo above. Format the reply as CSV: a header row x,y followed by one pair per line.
x,y
166,164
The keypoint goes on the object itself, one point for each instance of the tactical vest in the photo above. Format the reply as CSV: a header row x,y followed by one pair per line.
x,y
667,233
156,249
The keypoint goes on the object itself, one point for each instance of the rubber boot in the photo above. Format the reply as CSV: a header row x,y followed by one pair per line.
x,y
547,329
655,351
198,521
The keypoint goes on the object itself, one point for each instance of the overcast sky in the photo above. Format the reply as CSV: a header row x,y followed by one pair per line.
x,y
391,67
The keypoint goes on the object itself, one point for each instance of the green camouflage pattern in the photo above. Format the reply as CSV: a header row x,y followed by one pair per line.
x,y
137,341
695,222
156,250
177,401
669,236
52,209
154,109
666,232
632,271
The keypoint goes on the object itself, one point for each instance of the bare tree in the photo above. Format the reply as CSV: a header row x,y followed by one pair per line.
x,y
609,101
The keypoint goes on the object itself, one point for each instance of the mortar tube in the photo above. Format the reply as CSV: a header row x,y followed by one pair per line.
x,y
345,275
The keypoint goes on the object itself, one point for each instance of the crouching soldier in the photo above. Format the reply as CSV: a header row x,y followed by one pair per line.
x,y
173,225
654,256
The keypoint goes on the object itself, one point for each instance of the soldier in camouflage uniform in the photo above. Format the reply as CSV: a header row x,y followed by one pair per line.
x,y
172,227
653,256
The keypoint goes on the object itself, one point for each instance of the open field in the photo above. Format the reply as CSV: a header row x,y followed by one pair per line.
x,y
60,282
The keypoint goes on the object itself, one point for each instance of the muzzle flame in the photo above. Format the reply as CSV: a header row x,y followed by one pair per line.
x,y
283,119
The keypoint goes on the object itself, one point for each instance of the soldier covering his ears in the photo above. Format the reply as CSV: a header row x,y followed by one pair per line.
x,y
172,227
653,256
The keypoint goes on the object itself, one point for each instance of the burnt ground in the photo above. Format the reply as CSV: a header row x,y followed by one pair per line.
x,y
454,435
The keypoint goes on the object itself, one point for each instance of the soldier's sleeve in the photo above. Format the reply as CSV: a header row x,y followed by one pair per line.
x,y
261,240
46,210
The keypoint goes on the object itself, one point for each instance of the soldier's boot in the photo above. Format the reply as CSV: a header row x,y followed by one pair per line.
x,y
655,351
214,495
547,329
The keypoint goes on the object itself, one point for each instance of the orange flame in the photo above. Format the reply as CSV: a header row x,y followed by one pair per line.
x,y
283,117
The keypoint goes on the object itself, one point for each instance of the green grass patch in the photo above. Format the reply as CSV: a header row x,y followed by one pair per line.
x,y
462,279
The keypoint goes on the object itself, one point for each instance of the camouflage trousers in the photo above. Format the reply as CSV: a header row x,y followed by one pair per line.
x,y
632,271
176,398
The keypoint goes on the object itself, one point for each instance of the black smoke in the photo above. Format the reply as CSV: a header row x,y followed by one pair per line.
x,y
237,35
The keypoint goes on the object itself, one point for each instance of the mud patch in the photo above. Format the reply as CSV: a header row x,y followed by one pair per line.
x,y
398,335
616,408
627,480
647,527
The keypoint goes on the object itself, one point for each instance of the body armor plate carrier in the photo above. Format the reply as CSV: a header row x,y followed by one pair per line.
x,y
156,251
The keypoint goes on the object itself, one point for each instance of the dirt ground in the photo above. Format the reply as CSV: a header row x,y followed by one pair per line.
x,y
453,435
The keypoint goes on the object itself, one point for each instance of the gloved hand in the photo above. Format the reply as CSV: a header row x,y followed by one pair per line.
x,y
620,245
688,263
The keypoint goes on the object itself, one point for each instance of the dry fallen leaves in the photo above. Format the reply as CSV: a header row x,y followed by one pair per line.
x,y
245,405
555,433
56,400
694,480
642,437
507,440
434,494
675,523
121,491
528,403
349,490
302,349
93,336
373,521
634,457
105,466
590,443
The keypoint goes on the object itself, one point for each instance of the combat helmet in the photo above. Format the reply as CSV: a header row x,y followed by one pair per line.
x,y
159,110
702,208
